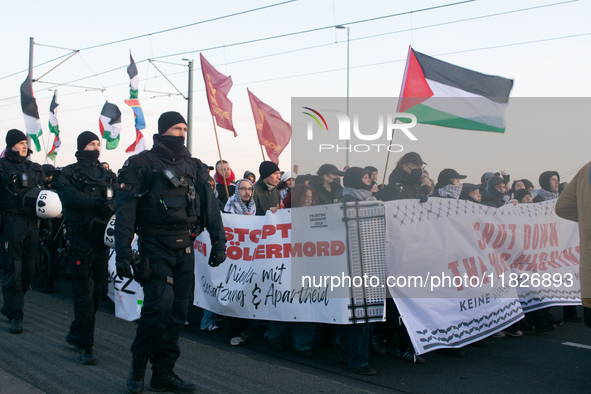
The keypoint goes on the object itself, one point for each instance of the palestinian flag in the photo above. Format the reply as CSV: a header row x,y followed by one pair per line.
x,y
447,95
134,79
53,124
54,128
31,113
110,124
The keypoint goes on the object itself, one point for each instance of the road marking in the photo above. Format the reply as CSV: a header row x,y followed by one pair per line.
x,y
577,345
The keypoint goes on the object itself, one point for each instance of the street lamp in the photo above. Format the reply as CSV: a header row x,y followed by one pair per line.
x,y
340,27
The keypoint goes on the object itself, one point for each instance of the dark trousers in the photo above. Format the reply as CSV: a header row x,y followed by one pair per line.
x,y
88,267
165,306
19,247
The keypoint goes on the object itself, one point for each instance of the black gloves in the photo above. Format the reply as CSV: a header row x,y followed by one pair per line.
x,y
124,268
107,209
217,257
423,199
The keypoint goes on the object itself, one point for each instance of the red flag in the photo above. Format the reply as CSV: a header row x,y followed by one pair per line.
x,y
218,86
274,133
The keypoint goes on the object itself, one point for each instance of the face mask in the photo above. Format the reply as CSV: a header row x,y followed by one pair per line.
x,y
415,175
88,155
172,143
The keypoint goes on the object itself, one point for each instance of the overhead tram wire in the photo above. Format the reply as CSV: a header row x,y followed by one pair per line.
x,y
295,33
321,45
314,30
341,69
188,25
249,41
157,32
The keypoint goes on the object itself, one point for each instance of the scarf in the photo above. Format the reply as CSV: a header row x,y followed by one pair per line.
x,y
359,194
219,178
546,195
451,190
237,206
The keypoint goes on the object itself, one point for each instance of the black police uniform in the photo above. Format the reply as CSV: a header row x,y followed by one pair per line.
x,y
20,233
166,198
86,190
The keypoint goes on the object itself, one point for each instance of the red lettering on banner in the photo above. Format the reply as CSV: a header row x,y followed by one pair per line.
x,y
200,247
512,228
501,236
284,228
273,251
268,231
242,232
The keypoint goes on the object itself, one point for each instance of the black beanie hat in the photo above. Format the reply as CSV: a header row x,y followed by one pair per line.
x,y
545,179
267,168
85,138
353,178
519,194
169,119
13,137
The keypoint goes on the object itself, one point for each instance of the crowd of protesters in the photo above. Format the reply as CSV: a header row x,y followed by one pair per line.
x,y
409,180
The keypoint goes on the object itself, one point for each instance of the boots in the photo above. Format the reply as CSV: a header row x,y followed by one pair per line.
x,y
167,380
135,381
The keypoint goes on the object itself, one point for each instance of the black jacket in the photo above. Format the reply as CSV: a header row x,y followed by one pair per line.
x,y
265,198
82,190
399,187
324,196
135,178
12,168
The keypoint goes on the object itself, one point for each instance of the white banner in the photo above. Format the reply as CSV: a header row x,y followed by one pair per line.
x,y
275,267
126,293
460,271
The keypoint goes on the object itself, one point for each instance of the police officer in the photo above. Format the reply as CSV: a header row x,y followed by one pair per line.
x,y
86,191
165,197
20,233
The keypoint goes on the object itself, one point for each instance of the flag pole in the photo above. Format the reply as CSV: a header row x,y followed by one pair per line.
x,y
220,153
262,153
397,109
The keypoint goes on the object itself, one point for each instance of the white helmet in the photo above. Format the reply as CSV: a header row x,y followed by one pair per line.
x,y
110,233
44,204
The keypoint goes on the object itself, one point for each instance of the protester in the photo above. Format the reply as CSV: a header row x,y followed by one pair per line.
x,y
251,176
471,192
448,184
326,184
229,181
287,182
549,190
266,195
352,343
495,194
241,203
403,183
373,173
405,180
549,185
